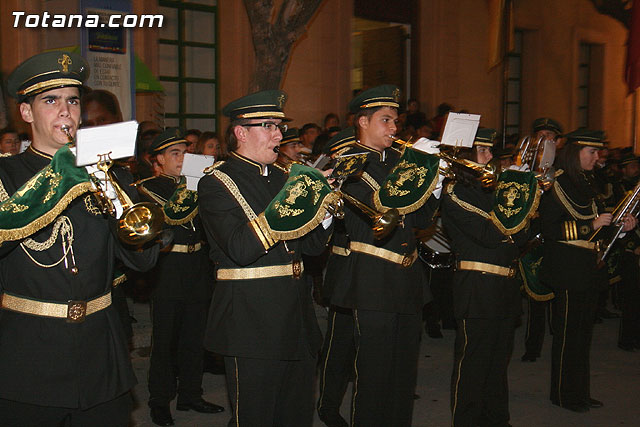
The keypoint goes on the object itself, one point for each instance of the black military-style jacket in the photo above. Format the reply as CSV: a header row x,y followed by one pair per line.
x,y
266,318
47,361
179,275
475,238
360,280
567,212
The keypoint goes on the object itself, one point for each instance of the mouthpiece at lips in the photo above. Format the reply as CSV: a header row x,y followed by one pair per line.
x,y
276,149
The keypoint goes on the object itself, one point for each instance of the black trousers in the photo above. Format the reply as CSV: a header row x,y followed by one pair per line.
x,y
479,387
536,319
114,413
178,334
336,359
573,317
629,297
386,367
267,393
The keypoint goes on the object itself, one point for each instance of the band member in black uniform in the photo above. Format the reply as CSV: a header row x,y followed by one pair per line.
x,y
486,296
629,286
570,215
182,290
64,358
338,350
538,308
261,318
289,151
379,281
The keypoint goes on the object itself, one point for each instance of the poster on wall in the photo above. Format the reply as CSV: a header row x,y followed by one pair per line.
x,y
108,50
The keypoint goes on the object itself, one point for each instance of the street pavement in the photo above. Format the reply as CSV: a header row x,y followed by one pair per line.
x,y
615,379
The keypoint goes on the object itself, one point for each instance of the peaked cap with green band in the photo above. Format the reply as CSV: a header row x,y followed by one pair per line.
x,y
587,137
168,138
530,271
485,137
515,201
410,183
379,96
46,71
545,123
342,139
628,158
291,135
41,199
267,104
301,204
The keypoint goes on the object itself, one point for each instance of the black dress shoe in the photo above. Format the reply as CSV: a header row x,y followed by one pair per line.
x,y
593,403
332,418
200,406
161,415
575,407
529,357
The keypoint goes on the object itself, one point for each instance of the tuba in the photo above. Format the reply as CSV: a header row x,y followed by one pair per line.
x,y
140,222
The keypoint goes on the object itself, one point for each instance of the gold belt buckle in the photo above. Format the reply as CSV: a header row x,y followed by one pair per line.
x,y
407,260
191,249
297,269
76,311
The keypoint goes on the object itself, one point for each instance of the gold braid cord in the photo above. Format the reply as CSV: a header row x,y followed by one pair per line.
x,y
3,193
568,204
370,181
464,205
48,217
257,223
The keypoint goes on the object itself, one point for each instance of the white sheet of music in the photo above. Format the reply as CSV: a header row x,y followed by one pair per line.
x,y
460,130
118,140
193,168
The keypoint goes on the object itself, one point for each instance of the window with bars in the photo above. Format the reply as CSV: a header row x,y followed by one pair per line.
x,y
584,82
188,63
513,97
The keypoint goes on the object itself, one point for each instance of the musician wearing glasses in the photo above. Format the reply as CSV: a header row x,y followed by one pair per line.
x,y
486,295
261,317
377,289
570,214
63,352
182,288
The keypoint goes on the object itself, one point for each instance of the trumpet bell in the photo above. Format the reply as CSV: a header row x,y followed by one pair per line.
x,y
140,223
384,223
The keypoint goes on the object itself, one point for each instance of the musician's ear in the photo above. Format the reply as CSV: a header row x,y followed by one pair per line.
x,y
26,112
363,122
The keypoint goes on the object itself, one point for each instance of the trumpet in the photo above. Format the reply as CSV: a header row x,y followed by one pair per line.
x,y
486,174
140,222
383,223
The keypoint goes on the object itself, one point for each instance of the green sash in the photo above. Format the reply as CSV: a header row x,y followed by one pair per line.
x,y
301,204
515,200
182,206
529,268
409,184
41,199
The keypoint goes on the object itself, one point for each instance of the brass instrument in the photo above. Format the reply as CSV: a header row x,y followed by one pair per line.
x,y
629,205
486,174
539,155
140,222
383,223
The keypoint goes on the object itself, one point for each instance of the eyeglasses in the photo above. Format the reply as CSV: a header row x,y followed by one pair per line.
x,y
270,126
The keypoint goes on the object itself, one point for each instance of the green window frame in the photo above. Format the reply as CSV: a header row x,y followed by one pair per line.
x,y
189,61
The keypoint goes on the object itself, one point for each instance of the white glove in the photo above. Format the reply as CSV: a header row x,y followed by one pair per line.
x,y
428,146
